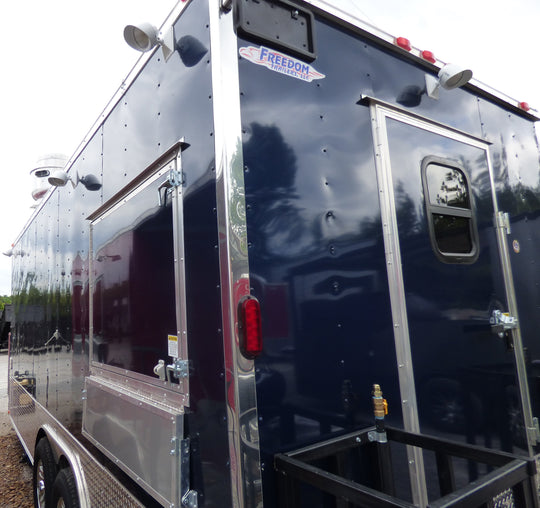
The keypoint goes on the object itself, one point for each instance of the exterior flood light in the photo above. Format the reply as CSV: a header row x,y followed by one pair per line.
x,y
145,36
60,178
45,165
450,76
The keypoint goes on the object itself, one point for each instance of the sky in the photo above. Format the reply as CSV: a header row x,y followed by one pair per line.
x,y
64,59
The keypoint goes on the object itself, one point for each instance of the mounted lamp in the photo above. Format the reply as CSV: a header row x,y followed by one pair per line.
x,y
60,178
145,36
450,76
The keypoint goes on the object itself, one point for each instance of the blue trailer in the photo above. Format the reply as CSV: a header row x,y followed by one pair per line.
x,y
282,207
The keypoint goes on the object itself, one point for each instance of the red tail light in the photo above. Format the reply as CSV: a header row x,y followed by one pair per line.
x,y
249,327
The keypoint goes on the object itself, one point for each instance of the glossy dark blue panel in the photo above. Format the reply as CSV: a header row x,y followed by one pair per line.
x,y
316,251
168,101
317,258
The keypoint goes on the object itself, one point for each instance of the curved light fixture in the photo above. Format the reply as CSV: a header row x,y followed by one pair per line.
x,y
191,50
453,76
142,37
59,178
91,182
145,36
450,76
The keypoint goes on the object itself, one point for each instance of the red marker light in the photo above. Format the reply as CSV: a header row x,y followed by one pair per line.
x,y
524,106
428,55
404,43
249,327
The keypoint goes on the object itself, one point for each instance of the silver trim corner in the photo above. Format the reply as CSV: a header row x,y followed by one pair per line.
x,y
233,259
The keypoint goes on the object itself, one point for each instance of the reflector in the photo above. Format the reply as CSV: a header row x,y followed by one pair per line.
x,y
404,43
428,55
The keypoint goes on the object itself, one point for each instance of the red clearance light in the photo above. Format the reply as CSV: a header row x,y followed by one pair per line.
x,y
404,43
524,106
428,55
249,327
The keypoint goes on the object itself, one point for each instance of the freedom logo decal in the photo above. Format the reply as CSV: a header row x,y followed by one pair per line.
x,y
279,62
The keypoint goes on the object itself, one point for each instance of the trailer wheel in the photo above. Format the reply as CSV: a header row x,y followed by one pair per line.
x,y
44,474
65,490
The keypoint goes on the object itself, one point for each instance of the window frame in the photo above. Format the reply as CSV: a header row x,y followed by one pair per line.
x,y
450,211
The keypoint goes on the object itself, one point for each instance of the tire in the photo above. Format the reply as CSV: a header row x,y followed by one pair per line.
x,y
44,473
65,490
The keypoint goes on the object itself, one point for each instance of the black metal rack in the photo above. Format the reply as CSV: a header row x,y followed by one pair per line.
x,y
326,466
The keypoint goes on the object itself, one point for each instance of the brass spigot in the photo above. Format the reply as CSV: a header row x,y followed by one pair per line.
x,y
380,407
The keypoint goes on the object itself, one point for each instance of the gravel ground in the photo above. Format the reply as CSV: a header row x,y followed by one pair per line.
x,y
15,470
15,474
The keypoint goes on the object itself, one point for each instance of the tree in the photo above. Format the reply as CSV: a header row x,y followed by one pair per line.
x,y
3,301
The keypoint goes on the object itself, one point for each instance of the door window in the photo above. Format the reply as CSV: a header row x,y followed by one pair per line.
x,y
449,211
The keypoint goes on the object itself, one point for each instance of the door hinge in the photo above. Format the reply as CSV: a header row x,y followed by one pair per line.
x,y
176,178
502,221
179,369
189,496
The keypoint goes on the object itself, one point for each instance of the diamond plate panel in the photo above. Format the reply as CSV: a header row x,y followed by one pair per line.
x,y
98,489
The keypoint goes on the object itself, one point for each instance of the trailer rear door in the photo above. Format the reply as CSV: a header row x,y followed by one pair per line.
x,y
458,351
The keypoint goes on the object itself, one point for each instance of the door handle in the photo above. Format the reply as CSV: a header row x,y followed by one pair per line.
x,y
159,370
179,370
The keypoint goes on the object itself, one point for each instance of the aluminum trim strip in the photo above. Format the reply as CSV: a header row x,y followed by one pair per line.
x,y
132,381
180,272
154,406
242,421
75,463
397,300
